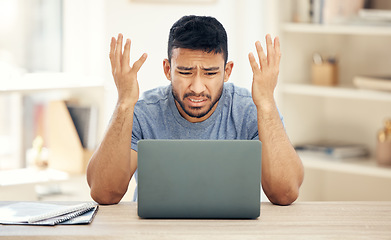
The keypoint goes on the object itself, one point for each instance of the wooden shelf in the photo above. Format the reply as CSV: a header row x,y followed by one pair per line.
x,y
34,82
349,92
31,176
369,30
360,166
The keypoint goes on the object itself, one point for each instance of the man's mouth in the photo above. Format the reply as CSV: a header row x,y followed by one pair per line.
x,y
197,100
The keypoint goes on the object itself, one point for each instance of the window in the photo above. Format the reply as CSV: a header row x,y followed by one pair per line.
x,y
30,41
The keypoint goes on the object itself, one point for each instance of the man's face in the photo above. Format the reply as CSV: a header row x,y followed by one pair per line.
x,y
197,79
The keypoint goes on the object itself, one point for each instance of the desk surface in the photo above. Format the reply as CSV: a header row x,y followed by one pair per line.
x,y
302,220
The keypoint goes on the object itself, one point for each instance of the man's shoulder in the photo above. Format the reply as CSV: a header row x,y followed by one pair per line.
x,y
155,95
238,100
237,93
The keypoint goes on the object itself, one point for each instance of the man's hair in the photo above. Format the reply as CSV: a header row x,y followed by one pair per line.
x,y
198,33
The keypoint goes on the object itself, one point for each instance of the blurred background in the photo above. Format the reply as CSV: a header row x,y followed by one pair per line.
x,y
57,94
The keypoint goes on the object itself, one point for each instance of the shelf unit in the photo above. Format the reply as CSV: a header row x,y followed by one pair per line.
x,y
41,82
369,30
359,166
347,92
19,95
340,113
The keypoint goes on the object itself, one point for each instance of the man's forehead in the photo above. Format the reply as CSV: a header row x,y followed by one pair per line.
x,y
185,54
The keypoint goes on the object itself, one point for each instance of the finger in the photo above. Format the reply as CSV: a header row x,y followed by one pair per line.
x,y
118,52
253,63
270,49
112,54
126,55
137,65
277,49
261,54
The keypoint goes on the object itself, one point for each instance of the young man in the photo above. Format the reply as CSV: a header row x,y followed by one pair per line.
x,y
198,104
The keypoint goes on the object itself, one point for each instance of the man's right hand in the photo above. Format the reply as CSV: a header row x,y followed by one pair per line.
x,y
112,165
125,77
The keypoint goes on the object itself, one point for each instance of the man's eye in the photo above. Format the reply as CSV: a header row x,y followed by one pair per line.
x,y
185,73
211,73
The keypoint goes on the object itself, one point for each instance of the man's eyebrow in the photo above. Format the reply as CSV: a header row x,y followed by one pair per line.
x,y
211,69
184,68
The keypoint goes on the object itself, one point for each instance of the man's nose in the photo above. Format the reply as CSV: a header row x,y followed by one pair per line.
x,y
197,84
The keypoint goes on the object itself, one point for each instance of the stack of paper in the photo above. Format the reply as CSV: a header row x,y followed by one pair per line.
x,y
33,213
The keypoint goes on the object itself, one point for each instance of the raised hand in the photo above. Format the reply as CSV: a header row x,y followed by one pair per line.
x,y
265,74
125,77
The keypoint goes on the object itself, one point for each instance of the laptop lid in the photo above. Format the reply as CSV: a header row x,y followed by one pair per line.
x,y
199,178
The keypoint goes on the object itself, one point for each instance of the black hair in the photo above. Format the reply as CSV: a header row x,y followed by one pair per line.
x,y
198,33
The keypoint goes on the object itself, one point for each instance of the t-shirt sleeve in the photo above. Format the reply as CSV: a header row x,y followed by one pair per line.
x,y
136,133
253,133
252,123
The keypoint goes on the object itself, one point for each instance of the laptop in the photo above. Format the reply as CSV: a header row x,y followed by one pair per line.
x,y
202,179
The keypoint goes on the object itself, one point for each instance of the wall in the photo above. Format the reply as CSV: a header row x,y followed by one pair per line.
x,y
90,24
147,25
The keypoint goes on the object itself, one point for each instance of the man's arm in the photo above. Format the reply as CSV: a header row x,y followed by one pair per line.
x,y
113,163
282,169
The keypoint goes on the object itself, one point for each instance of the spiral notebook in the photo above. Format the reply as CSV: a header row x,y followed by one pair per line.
x,y
34,213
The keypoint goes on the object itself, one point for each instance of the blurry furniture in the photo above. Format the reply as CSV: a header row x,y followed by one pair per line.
x,y
341,113
43,88
21,184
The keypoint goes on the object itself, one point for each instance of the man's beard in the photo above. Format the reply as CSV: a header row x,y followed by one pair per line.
x,y
196,114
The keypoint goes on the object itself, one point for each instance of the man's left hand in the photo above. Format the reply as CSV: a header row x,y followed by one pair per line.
x,y
265,74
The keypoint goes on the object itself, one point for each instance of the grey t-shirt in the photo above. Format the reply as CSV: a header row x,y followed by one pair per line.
x,y
156,117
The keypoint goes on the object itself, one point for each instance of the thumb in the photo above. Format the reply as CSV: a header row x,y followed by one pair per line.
x,y
137,65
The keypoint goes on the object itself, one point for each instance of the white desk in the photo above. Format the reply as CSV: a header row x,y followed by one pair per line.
x,y
302,220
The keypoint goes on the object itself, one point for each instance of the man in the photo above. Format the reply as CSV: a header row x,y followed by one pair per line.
x,y
198,104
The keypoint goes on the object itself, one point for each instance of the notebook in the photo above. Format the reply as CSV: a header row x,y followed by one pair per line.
x,y
199,179
35,213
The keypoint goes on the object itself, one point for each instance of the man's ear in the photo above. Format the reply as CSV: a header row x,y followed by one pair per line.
x,y
228,70
167,69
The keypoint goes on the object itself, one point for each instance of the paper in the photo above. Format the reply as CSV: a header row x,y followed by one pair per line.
x,y
33,213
